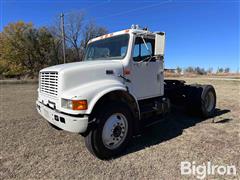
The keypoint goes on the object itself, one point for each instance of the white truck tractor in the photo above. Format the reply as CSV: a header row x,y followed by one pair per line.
x,y
115,90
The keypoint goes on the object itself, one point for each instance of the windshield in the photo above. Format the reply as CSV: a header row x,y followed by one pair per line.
x,y
110,48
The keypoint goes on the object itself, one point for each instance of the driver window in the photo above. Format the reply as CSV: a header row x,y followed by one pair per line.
x,y
140,51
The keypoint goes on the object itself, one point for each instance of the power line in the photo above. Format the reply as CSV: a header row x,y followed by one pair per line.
x,y
128,11
89,7
133,10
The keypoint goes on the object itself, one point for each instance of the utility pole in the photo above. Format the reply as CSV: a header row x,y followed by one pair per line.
x,y
63,37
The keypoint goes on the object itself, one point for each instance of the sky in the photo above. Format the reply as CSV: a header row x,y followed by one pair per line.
x,y
202,33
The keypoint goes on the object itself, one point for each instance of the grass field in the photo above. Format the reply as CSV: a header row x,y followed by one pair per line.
x,y
30,148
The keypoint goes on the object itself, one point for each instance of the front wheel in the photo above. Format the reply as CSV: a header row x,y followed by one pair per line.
x,y
112,132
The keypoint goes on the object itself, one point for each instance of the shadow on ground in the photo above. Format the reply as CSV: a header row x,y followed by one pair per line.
x,y
171,127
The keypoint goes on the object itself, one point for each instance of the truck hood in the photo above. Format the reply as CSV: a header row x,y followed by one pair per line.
x,y
77,74
83,64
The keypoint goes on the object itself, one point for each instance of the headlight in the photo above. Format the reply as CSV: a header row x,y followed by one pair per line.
x,y
74,104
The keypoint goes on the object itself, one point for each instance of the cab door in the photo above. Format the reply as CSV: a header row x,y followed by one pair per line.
x,y
146,74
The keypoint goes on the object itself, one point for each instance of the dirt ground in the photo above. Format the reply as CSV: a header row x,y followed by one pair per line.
x,y
31,149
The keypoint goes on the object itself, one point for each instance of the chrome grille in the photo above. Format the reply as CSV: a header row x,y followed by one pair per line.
x,y
49,83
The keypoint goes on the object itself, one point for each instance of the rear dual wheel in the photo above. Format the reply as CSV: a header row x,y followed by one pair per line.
x,y
112,131
208,101
203,100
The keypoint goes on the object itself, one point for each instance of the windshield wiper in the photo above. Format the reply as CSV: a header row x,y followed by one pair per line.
x,y
150,52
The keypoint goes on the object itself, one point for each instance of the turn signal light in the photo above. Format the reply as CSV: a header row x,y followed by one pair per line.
x,y
126,71
79,104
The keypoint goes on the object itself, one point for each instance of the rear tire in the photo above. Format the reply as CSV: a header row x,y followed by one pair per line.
x,y
112,132
202,101
208,101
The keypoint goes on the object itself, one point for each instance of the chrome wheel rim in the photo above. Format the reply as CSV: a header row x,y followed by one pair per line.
x,y
209,101
114,131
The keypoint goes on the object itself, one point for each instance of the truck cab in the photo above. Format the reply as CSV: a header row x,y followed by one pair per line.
x,y
118,84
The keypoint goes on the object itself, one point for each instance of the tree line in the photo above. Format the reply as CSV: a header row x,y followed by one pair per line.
x,y
25,49
200,71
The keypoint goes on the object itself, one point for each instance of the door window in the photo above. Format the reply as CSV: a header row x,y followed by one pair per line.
x,y
140,51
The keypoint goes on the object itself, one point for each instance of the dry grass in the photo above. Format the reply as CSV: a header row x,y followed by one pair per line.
x,y
194,75
30,148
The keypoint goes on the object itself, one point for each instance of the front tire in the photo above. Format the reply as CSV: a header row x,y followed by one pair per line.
x,y
112,132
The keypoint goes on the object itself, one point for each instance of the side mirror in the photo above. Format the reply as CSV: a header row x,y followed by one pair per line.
x,y
159,44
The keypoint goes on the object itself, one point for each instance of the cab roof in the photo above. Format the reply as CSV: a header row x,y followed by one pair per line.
x,y
126,31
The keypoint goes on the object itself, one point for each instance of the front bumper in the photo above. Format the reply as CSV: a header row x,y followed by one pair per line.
x,y
65,122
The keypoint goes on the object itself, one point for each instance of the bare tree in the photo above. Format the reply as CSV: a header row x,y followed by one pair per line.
x,y
227,70
209,70
189,69
220,70
179,70
77,33
91,30
73,30
200,71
